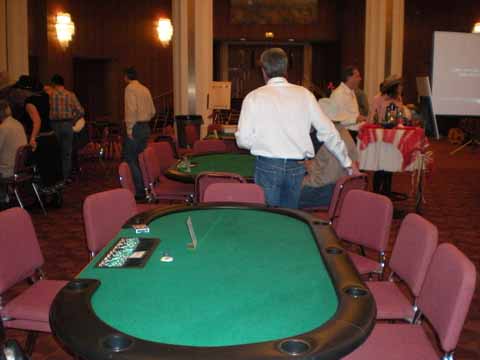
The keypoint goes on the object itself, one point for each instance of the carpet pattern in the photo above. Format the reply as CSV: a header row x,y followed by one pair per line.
x,y
452,204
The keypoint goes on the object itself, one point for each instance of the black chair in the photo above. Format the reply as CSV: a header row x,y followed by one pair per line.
x,y
22,174
10,349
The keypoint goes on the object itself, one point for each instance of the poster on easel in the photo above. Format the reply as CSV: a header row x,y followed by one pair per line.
x,y
426,109
219,95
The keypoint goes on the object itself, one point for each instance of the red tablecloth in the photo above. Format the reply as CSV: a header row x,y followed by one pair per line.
x,y
408,139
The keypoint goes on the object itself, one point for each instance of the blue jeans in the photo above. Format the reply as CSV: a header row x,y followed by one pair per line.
x,y
281,180
131,149
316,196
63,130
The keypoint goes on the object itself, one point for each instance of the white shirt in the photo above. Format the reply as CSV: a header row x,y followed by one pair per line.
x,y
346,106
138,105
275,122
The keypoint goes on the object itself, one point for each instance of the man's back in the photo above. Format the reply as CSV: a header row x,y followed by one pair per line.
x,y
279,115
12,136
138,102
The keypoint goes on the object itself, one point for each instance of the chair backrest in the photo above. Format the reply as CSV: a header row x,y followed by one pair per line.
x,y
342,187
412,253
20,255
149,166
23,159
234,192
204,179
104,214
365,219
209,146
125,176
447,293
164,153
168,139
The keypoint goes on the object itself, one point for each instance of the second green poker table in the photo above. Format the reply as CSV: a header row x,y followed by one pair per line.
x,y
239,163
261,284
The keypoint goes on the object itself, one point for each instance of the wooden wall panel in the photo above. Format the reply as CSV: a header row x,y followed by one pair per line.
x,y
351,16
422,18
324,30
122,32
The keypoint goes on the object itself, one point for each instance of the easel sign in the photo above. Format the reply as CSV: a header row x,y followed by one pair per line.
x,y
425,100
219,95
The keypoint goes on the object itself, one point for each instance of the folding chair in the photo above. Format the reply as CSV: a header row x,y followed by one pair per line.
x,y
411,256
21,259
234,192
444,300
153,162
342,187
203,179
22,174
104,214
126,180
365,219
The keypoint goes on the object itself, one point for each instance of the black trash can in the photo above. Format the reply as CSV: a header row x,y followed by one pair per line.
x,y
188,129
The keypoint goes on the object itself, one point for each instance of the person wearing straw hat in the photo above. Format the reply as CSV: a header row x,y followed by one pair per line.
x,y
390,93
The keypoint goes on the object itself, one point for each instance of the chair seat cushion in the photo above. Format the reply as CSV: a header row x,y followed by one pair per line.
x,y
175,188
363,264
396,342
34,303
391,303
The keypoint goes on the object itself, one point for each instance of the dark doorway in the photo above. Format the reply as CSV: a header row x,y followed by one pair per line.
x,y
91,83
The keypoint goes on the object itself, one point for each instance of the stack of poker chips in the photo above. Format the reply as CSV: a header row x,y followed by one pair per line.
x,y
119,254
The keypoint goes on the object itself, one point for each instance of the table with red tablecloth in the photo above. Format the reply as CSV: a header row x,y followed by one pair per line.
x,y
394,150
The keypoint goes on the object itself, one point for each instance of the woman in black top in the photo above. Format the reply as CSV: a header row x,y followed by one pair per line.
x,y
42,139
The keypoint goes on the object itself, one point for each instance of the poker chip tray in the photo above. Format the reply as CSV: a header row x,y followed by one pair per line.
x,y
131,252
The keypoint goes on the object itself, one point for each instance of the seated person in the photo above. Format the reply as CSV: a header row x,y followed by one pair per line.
x,y
390,92
323,171
12,136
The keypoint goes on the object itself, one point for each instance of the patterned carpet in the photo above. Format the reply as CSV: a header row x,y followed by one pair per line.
x,y
452,203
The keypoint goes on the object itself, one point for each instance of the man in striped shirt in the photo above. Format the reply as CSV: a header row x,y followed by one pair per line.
x,y
65,109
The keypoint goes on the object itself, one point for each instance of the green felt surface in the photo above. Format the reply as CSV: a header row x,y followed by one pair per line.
x,y
255,276
242,164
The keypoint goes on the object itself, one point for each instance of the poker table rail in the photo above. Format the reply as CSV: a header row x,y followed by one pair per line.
x,y
87,336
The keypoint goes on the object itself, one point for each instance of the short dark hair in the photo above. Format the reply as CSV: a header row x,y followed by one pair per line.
x,y
347,72
131,73
57,80
5,110
274,62
24,82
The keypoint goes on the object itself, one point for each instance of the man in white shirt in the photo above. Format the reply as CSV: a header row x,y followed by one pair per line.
x,y
139,110
345,101
275,123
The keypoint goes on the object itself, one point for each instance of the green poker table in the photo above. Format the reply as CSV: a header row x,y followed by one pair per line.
x,y
238,163
261,283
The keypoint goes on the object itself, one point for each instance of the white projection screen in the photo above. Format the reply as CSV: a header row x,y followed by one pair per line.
x,y
456,74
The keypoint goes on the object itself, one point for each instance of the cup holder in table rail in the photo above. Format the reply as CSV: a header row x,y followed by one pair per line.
x,y
355,292
333,250
116,342
294,347
77,285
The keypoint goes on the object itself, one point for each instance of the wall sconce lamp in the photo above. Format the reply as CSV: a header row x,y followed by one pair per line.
x,y
165,31
476,28
65,28
269,35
